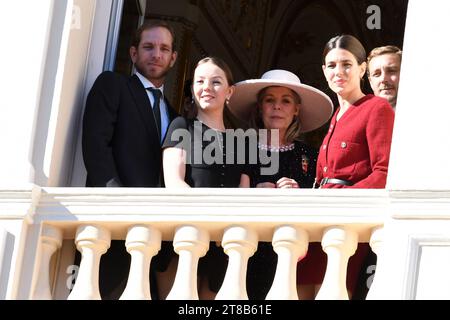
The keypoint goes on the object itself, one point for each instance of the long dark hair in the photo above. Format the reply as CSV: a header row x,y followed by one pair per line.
x,y
222,65
349,43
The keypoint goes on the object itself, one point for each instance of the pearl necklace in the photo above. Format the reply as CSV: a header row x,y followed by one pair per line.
x,y
282,148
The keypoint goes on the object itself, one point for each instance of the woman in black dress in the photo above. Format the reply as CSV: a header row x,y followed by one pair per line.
x,y
281,104
194,152
194,155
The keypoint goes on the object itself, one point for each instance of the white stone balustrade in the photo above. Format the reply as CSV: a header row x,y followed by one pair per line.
x,y
289,243
90,215
239,243
376,243
191,243
143,242
50,241
340,244
92,241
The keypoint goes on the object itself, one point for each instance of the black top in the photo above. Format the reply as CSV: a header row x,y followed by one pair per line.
x,y
207,163
298,163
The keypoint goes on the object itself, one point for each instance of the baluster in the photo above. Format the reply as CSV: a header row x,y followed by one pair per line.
x,y
239,243
339,244
92,241
289,243
142,243
376,243
190,243
50,241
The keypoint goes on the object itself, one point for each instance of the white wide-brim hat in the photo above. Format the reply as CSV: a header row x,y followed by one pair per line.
x,y
316,107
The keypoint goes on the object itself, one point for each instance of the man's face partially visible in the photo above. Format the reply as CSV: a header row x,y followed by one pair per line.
x,y
384,76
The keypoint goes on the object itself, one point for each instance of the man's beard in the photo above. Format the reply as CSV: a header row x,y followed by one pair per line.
x,y
155,75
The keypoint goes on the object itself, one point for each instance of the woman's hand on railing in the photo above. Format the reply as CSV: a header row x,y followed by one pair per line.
x,y
287,183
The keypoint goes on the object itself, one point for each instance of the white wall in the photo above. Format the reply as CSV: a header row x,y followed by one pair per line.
x,y
421,142
52,57
68,94
24,32
98,53
14,233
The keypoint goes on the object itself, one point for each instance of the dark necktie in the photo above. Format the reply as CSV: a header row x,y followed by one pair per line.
x,y
156,111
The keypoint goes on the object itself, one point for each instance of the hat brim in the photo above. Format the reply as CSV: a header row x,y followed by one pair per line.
x,y
316,107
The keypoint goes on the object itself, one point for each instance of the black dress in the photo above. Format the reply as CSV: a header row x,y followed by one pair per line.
x,y
297,162
209,165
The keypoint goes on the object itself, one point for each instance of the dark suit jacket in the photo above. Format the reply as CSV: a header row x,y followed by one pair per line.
x,y
120,141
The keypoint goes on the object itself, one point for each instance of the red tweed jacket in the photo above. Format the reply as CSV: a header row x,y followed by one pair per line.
x,y
357,147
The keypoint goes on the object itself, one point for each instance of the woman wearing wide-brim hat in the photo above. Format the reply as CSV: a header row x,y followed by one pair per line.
x,y
278,101
316,106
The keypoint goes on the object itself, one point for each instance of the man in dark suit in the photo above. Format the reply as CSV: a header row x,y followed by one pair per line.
x,y
124,124
123,127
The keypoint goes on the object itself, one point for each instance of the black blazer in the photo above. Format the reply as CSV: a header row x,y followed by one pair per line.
x,y
120,141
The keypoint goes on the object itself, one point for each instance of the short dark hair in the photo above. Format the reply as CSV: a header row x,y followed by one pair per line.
x,y
347,42
151,25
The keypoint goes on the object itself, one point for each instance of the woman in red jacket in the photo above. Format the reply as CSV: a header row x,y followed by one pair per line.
x,y
355,151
